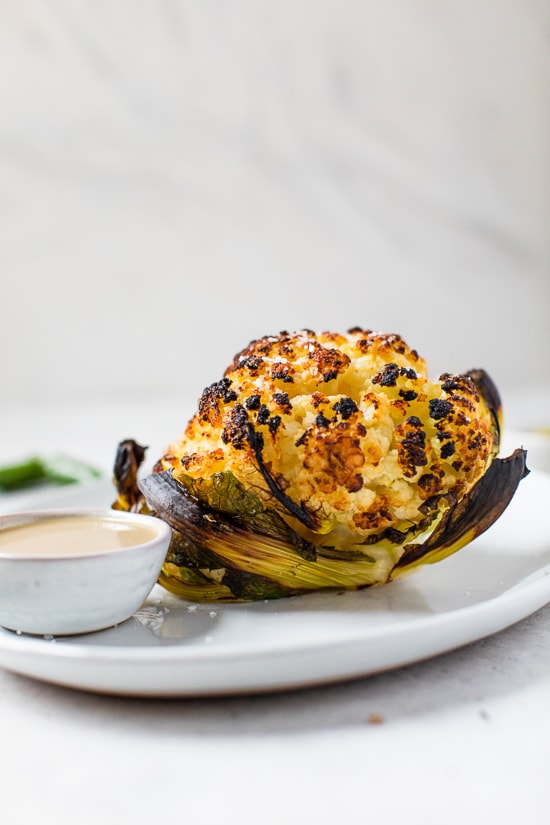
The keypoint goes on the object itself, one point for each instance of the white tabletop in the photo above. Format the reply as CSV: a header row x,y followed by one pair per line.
x,y
462,737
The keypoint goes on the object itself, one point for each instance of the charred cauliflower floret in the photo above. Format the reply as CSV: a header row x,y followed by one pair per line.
x,y
328,460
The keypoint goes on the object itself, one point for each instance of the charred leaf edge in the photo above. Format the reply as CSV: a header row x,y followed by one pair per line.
x,y
468,518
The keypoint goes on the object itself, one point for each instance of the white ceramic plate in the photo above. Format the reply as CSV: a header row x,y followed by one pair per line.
x,y
175,648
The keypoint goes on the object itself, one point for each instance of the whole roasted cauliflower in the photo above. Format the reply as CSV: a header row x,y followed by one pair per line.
x,y
324,460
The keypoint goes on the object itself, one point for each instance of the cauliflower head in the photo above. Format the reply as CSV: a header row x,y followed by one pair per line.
x,y
352,430
327,460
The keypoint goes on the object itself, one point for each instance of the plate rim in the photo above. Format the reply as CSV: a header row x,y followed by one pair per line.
x,y
43,645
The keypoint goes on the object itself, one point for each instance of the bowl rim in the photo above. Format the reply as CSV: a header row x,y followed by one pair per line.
x,y
20,518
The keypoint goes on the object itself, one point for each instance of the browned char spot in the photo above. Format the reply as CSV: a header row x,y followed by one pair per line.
x,y
338,456
329,363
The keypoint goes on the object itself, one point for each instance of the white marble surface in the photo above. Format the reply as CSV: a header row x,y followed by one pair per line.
x,y
179,177
463,738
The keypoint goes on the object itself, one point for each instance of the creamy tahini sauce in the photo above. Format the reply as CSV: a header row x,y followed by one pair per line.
x,y
78,536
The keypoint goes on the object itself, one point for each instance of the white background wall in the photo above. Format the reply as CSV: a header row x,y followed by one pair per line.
x,y
179,177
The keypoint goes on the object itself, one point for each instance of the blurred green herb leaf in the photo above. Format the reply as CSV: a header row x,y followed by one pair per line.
x,y
37,471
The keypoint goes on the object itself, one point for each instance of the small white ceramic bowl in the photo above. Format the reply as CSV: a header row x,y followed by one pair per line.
x,y
77,590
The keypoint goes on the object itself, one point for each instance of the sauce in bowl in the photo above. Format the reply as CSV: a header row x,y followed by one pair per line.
x,y
77,571
77,536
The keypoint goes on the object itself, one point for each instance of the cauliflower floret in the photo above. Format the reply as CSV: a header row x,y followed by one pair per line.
x,y
348,429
